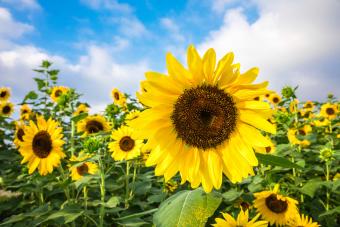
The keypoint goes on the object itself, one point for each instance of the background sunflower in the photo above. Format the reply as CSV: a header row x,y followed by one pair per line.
x,y
93,124
5,94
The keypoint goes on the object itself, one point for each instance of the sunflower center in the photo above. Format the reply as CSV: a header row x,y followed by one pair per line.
x,y
302,132
308,105
276,205
20,134
3,94
6,109
126,143
24,111
330,111
276,99
57,93
257,98
268,149
116,95
83,169
42,144
94,126
204,116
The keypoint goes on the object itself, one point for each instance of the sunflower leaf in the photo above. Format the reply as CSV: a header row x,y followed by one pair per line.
x,y
273,160
187,208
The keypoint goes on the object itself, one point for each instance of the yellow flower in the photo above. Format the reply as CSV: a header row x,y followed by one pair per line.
x,y
308,106
336,177
118,97
57,92
145,153
25,112
293,139
303,221
259,98
275,208
80,170
82,108
293,106
19,133
266,150
203,121
329,110
93,124
6,109
321,122
242,220
274,98
126,146
42,145
5,93
170,186
132,115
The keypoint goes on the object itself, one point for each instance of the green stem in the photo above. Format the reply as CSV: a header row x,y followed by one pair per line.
x,y
66,190
127,184
134,177
102,193
72,137
328,194
85,203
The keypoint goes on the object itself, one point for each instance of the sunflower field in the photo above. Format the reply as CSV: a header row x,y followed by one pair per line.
x,y
202,145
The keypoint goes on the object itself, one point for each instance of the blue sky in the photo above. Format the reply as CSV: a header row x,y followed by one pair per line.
x,y
101,44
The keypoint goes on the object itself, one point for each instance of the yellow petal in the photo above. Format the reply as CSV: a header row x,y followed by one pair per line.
x,y
250,117
209,61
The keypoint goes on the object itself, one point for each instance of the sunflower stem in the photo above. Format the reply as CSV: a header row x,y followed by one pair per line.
x,y
135,164
327,193
85,203
127,184
102,192
72,137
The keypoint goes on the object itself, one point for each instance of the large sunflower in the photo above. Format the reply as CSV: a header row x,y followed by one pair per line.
x,y
275,208
80,170
5,93
42,145
58,91
303,221
242,220
93,124
127,145
203,121
25,112
82,108
6,109
329,110
19,133
118,97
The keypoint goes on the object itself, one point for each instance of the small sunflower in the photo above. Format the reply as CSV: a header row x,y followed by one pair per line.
x,y
93,124
275,98
266,150
118,97
19,133
82,108
170,186
293,106
321,122
308,106
275,208
57,92
127,145
303,221
259,98
242,220
6,108
42,145
293,135
5,93
80,170
203,121
25,112
305,113
329,111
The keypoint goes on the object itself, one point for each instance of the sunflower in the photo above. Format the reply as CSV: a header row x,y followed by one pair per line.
x,y
305,113
242,220
78,171
5,93
293,106
321,122
275,98
118,97
293,135
202,122
42,145
6,108
308,106
25,112
82,108
127,145
58,91
93,124
19,133
145,153
329,110
266,150
274,207
303,221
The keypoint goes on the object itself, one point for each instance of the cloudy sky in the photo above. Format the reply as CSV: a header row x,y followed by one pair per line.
x,y
101,44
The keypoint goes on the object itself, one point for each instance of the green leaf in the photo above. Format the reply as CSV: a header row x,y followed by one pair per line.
x,y
67,215
31,95
336,210
79,117
40,83
273,160
187,208
112,202
231,195
46,64
310,187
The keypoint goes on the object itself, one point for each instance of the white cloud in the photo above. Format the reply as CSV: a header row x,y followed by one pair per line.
x,y
23,4
293,42
220,5
108,4
172,28
9,27
131,27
